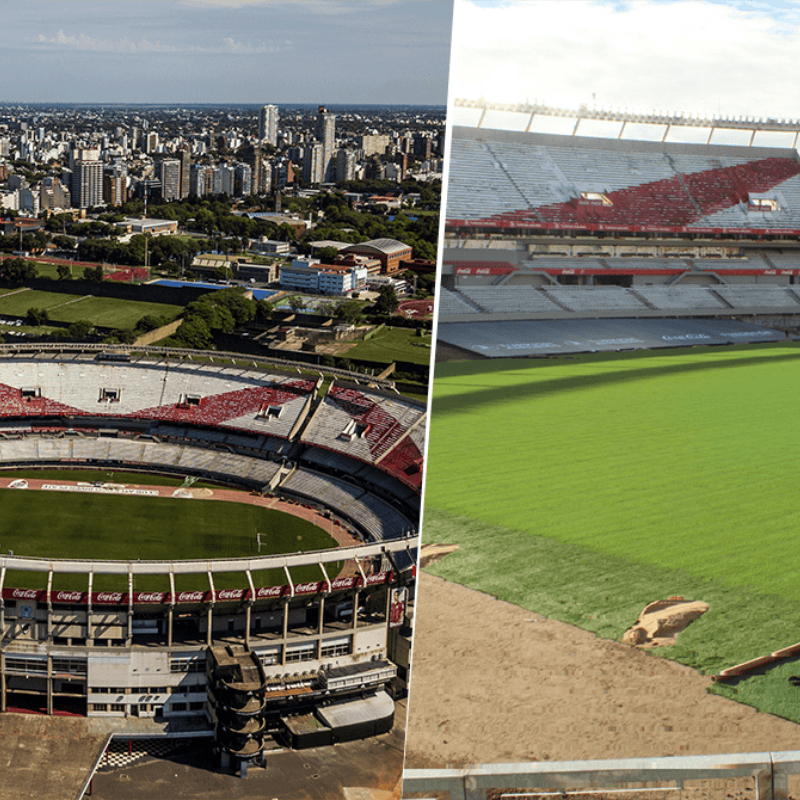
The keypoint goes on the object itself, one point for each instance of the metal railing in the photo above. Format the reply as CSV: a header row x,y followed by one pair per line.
x,y
763,776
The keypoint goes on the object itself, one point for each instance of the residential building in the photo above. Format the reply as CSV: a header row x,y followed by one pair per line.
x,y
313,163
268,125
326,134
345,165
169,171
86,187
374,144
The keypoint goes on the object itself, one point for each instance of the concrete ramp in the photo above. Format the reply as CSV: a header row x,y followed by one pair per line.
x,y
46,758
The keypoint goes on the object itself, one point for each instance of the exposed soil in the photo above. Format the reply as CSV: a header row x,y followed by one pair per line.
x,y
431,553
492,682
661,621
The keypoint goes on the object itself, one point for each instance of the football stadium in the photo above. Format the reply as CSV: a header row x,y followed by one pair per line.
x,y
612,434
211,542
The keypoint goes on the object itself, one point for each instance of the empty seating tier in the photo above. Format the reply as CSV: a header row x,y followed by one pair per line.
x,y
499,179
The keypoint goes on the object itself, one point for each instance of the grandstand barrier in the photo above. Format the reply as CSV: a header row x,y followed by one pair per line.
x,y
508,338
767,776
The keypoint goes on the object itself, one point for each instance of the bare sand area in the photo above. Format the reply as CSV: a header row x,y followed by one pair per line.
x,y
492,682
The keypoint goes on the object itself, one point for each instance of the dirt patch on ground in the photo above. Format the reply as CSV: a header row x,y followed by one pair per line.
x,y
431,553
492,682
46,758
661,621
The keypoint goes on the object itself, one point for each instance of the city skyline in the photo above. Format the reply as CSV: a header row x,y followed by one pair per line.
x,y
193,52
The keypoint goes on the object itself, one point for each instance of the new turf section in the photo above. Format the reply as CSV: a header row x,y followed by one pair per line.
x,y
90,526
585,488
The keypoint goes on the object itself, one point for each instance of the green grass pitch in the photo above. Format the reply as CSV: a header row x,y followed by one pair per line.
x,y
585,488
91,526
110,312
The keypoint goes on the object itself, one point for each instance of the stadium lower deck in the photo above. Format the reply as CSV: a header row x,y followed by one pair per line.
x,y
348,453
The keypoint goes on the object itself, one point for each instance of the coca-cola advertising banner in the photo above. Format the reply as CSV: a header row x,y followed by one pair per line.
x,y
201,596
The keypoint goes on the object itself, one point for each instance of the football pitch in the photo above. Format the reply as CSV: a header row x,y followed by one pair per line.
x,y
585,488
50,524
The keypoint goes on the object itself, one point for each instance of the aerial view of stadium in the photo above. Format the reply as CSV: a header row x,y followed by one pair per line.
x,y
609,509
285,631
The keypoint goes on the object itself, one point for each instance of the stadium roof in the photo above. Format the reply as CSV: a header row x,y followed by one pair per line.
x,y
385,246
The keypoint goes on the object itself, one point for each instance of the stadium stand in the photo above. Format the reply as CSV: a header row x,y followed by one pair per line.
x,y
567,228
505,179
507,299
605,298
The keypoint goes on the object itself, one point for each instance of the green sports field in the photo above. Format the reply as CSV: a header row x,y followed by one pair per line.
x,y
585,488
91,526
110,312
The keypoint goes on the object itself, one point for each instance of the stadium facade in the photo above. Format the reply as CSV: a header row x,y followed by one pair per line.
x,y
545,228
240,655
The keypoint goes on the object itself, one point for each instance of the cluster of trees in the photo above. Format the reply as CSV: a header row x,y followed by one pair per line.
x,y
345,224
29,242
17,270
212,216
222,310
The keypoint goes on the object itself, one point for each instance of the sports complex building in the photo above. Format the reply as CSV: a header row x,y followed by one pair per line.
x,y
223,630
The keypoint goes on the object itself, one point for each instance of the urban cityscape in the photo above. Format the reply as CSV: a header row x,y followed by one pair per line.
x,y
292,250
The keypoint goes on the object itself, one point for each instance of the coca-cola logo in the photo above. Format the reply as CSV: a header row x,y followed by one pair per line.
x,y
230,594
269,591
343,583
68,597
109,597
306,588
378,577
189,597
25,594
150,597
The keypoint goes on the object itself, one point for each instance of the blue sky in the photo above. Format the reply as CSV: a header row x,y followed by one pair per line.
x,y
730,57
233,51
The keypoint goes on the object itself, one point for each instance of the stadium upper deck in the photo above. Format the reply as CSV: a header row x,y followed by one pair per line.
x,y
506,181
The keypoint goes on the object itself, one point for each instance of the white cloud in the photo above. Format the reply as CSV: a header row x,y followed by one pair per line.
x,y
686,55
127,45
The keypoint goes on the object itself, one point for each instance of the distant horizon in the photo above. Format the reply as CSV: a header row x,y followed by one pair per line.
x,y
211,104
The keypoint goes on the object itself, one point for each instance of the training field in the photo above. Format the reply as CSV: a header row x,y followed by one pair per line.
x,y
585,488
110,312
91,526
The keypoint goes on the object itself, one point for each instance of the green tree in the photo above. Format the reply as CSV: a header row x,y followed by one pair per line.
x,y
264,310
150,322
295,302
64,272
349,311
93,274
193,332
80,329
387,301
327,255
37,316
17,270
